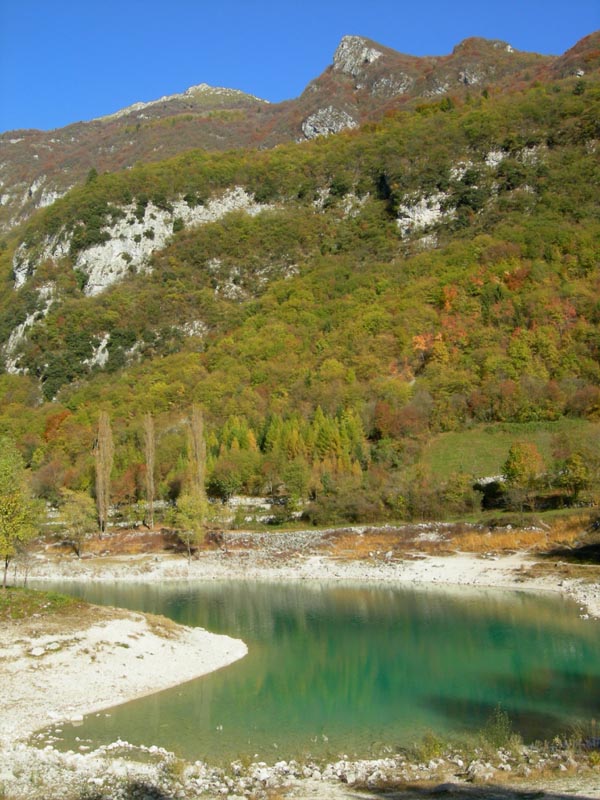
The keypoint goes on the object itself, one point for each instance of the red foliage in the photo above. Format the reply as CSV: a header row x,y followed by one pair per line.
x,y
53,424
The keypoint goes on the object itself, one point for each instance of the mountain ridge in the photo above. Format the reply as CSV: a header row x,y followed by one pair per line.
x,y
37,167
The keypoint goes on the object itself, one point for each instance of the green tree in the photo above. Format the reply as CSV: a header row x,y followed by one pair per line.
x,y
522,470
225,480
79,516
190,516
192,505
574,475
18,514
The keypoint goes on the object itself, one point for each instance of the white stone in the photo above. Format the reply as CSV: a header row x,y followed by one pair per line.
x,y
392,85
17,335
326,121
422,212
128,248
494,157
532,155
24,263
438,88
470,77
100,355
194,327
458,170
49,196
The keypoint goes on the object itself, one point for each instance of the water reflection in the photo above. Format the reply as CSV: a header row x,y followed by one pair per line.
x,y
335,668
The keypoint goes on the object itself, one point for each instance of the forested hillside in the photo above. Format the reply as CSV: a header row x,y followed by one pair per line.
x,y
335,306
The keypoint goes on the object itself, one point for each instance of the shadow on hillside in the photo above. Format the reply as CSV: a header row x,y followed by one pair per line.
x,y
588,553
451,791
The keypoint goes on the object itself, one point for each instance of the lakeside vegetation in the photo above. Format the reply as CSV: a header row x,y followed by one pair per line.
x,y
18,604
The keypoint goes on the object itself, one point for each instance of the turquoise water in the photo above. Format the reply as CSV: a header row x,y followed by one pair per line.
x,y
335,669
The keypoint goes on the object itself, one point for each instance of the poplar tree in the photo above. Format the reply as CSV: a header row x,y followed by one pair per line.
x,y
192,504
197,453
149,450
103,455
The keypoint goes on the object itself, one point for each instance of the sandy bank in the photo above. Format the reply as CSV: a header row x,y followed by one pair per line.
x,y
50,677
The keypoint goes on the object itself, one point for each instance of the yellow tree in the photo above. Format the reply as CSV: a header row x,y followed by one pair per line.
x,y
522,470
79,516
192,506
17,509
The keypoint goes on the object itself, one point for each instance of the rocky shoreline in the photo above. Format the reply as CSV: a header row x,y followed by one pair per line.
x,y
121,771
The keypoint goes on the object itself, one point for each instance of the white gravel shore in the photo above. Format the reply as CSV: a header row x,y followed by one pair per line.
x,y
59,677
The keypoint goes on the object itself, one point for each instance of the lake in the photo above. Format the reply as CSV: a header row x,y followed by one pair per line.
x,y
346,669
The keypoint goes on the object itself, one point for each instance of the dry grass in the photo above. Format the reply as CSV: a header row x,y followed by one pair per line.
x,y
410,541
162,626
351,546
538,538
130,542
501,541
535,535
589,573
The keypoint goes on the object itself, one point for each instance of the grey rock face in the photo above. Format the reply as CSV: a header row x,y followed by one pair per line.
x,y
353,54
327,120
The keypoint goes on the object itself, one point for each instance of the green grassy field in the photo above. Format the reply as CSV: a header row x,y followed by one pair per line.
x,y
22,604
483,450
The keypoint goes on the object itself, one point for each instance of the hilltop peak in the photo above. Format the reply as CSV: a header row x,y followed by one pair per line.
x,y
190,93
479,43
354,53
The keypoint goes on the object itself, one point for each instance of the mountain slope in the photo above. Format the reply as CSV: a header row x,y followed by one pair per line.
x,y
332,304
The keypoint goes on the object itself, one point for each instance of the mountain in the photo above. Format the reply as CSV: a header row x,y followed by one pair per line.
x,y
335,304
364,81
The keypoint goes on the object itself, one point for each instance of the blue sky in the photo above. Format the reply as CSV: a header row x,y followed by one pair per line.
x,y
62,61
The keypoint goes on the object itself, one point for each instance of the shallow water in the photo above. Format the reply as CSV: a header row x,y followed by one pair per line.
x,y
337,669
